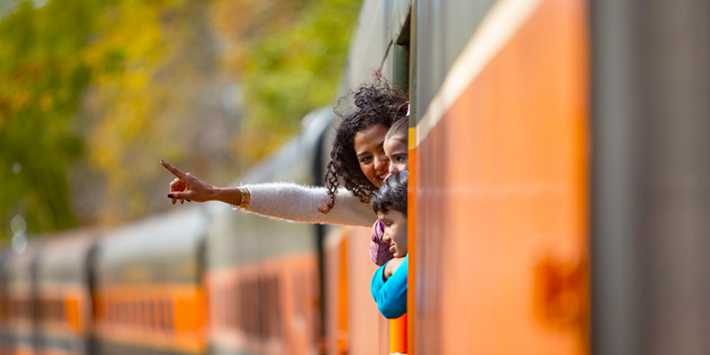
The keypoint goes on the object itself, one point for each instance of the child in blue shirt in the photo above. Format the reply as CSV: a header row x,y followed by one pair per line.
x,y
389,283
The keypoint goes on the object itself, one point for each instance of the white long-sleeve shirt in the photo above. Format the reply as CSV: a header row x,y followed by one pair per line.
x,y
299,203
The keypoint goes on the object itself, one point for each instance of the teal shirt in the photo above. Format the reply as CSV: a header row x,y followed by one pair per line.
x,y
391,295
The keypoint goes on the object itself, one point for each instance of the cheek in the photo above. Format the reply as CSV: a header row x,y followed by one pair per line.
x,y
367,169
400,235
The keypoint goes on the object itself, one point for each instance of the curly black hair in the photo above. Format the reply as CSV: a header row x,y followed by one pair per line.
x,y
392,195
375,103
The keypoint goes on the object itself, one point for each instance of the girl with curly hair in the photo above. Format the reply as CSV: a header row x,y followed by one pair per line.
x,y
357,159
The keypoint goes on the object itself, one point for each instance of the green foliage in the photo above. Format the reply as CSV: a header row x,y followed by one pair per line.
x,y
50,57
41,82
103,89
292,70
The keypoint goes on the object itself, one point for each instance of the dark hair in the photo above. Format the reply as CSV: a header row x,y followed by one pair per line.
x,y
392,195
375,103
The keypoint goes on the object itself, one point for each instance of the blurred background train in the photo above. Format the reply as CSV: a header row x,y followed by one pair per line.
x,y
560,193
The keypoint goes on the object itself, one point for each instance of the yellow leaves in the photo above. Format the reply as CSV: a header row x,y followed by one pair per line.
x,y
290,61
132,32
132,47
19,99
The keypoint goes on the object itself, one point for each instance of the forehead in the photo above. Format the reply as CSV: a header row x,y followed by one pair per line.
x,y
390,214
395,143
370,137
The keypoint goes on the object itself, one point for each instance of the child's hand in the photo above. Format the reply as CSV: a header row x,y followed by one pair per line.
x,y
392,266
379,248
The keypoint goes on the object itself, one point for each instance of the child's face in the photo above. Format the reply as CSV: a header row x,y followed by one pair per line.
x,y
395,148
395,231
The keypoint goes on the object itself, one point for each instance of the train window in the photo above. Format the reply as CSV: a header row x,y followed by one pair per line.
x,y
20,308
143,313
126,312
274,324
143,319
152,323
266,306
230,297
136,305
113,308
249,314
161,315
149,313
168,315
245,294
155,316
60,310
232,301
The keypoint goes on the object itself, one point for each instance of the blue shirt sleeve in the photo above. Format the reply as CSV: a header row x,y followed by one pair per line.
x,y
391,295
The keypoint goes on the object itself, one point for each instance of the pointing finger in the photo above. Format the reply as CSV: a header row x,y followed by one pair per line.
x,y
182,195
175,171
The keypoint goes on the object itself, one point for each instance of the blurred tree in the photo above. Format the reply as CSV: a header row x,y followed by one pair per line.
x,y
289,59
161,97
94,92
41,82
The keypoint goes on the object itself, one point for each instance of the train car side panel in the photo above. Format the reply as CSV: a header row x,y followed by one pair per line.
x,y
502,190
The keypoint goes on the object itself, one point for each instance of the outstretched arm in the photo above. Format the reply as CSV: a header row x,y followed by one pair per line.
x,y
300,203
286,201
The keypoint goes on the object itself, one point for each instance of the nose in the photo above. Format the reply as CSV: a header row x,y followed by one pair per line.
x,y
381,164
392,170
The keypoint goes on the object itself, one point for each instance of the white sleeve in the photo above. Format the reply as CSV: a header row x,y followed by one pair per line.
x,y
299,203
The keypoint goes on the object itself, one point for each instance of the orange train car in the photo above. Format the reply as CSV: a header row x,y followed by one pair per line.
x,y
559,177
263,275
20,327
5,342
64,294
500,173
149,291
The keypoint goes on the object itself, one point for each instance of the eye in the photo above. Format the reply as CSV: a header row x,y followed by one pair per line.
x,y
365,159
400,158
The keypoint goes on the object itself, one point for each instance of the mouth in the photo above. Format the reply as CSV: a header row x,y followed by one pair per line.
x,y
392,248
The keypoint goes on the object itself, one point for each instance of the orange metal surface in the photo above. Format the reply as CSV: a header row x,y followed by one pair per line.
x,y
75,306
412,240
501,234
336,258
398,335
368,329
188,310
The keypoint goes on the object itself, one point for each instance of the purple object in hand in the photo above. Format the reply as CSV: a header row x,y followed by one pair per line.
x,y
379,249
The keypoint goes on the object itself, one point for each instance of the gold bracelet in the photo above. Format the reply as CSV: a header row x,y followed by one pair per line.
x,y
245,197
